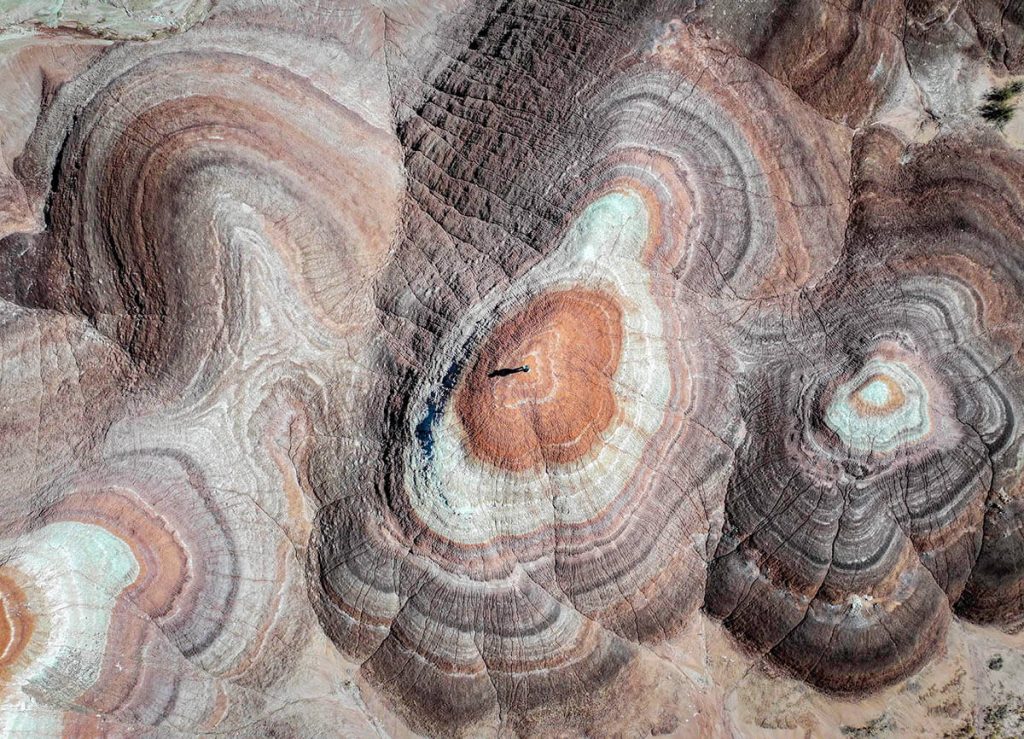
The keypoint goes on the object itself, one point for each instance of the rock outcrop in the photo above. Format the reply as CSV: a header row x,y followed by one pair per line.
x,y
521,368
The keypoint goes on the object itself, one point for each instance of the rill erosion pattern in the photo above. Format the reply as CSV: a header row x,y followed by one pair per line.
x,y
511,368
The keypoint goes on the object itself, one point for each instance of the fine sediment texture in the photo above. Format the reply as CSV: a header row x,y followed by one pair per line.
x,y
522,368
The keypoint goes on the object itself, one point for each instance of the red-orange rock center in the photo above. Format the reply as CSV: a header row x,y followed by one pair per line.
x,y
16,624
571,340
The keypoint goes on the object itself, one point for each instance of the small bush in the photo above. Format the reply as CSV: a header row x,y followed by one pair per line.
x,y
1000,103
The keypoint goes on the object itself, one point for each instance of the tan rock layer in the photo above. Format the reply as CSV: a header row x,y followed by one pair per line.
x,y
773,370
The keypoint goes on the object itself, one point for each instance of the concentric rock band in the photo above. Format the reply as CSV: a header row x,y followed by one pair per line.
x,y
523,368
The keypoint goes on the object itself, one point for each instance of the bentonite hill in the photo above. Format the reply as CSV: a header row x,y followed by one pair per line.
x,y
511,368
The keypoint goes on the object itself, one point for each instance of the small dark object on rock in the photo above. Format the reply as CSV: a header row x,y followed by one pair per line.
x,y
996,663
508,371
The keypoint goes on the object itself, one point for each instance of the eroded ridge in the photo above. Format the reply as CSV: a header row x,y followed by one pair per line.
x,y
507,482
542,529
879,483
528,368
172,308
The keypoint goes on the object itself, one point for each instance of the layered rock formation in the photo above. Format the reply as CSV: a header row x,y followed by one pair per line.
x,y
520,368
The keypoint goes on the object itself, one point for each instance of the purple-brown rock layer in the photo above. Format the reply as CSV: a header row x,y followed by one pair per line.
x,y
461,368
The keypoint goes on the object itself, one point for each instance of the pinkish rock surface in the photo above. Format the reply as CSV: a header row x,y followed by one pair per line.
x,y
511,369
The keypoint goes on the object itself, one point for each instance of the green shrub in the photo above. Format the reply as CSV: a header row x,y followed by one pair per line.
x,y
1000,103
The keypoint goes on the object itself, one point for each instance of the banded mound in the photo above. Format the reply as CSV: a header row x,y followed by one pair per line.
x,y
472,401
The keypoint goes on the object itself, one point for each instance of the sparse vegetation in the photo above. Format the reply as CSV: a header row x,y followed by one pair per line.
x,y
876,727
996,663
1003,720
965,730
1000,103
